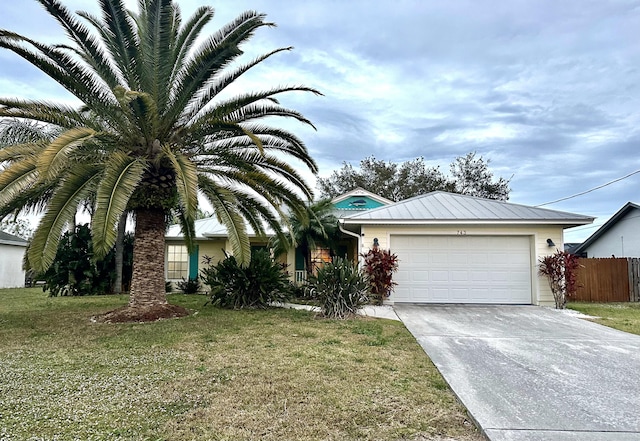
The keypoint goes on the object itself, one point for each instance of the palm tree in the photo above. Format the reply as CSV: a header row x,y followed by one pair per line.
x,y
153,133
316,227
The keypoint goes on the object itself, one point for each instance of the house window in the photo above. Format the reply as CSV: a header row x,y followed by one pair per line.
x,y
177,262
319,257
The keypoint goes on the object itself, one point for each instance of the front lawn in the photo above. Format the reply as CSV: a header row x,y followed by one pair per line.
x,y
215,375
622,316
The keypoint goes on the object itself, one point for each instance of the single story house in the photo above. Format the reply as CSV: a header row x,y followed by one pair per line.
x,y
12,249
451,248
619,236
212,241
454,248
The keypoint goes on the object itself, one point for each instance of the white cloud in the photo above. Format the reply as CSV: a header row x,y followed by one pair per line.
x,y
548,90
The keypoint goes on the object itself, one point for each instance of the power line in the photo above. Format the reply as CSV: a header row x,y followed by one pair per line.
x,y
590,190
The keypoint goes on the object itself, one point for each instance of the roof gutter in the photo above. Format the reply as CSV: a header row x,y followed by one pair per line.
x,y
352,234
567,223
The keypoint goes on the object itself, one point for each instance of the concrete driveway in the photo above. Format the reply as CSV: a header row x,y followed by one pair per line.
x,y
527,373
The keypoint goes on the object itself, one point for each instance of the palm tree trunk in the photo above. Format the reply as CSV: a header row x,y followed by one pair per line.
x,y
147,281
307,261
117,285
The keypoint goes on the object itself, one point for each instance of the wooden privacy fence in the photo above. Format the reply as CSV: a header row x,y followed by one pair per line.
x,y
608,280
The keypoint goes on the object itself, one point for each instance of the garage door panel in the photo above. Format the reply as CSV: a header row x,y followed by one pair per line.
x,y
480,276
420,276
439,276
459,276
462,269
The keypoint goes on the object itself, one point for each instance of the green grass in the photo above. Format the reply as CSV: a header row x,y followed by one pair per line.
x,y
215,375
622,316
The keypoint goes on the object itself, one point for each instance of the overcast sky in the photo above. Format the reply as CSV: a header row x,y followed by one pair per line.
x,y
548,91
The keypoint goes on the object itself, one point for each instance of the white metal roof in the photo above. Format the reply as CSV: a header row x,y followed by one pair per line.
x,y
208,227
443,207
10,239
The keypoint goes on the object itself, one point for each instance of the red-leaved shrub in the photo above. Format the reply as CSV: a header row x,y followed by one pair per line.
x,y
379,266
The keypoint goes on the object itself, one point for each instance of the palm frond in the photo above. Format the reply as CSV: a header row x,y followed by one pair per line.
x,y
122,174
186,182
256,105
187,37
61,116
63,68
61,209
16,178
221,83
89,48
119,35
55,156
156,33
223,203
209,58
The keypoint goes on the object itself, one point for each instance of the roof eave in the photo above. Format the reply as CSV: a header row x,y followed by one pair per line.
x,y
13,243
606,226
566,223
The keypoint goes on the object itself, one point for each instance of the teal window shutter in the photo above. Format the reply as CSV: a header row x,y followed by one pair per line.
x,y
193,264
299,260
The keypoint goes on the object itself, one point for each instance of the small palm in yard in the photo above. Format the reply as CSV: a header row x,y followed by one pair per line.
x,y
151,134
315,227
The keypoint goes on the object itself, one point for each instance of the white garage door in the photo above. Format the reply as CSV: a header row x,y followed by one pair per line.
x,y
462,269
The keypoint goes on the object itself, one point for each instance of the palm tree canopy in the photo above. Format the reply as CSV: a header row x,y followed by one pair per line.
x,y
153,131
317,226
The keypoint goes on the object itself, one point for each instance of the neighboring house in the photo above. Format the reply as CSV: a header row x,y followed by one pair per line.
x,y
12,249
619,236
451,248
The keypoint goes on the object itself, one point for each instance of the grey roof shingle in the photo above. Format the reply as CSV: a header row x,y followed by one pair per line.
x,y
10,239
440,206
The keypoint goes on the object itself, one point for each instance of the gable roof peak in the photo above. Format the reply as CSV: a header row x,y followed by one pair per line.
x,y
359,191
629,206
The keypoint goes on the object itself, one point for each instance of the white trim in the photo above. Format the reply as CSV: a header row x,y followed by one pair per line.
x,y
13,243
567,223
361,192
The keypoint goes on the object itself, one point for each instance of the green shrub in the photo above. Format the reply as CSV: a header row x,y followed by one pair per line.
x,y
379,266
190,286
340,288
74,272
257,285
303,292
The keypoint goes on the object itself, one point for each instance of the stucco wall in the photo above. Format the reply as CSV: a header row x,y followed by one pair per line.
x,y
11,273
541,293
213,248
621,240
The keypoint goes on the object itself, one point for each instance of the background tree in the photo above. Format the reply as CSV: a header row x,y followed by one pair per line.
x,y
152,133
75,273
17,227
316,227
469,175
